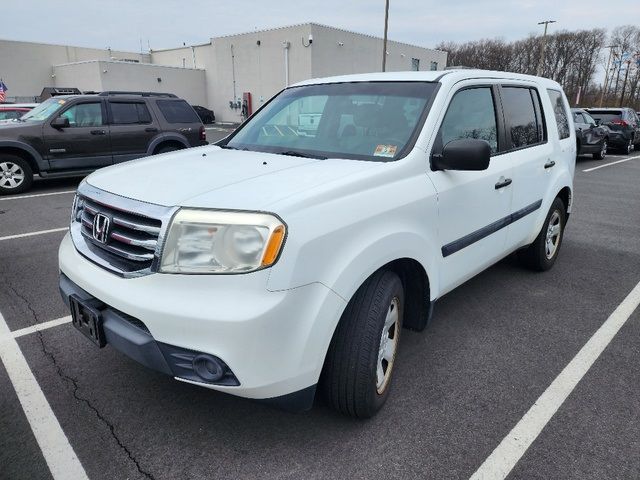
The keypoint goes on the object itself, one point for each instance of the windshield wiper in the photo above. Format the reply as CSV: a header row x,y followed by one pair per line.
x,y
229,147
296,153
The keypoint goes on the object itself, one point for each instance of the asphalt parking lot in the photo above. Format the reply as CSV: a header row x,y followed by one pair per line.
x,y
495,345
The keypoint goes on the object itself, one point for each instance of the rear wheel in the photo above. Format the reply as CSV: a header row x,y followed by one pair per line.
x,y
16,175
543,252
628,148
359,365
603,151
166,149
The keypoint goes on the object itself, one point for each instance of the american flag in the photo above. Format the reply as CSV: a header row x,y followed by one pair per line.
x,y
3,89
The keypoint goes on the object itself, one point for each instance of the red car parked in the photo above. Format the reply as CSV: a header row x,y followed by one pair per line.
x,y
10,111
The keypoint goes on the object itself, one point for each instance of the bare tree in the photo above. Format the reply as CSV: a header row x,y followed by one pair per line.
x,y
573,59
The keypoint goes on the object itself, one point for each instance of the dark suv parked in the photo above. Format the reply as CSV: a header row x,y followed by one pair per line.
x,y
76,134
590,137
623,124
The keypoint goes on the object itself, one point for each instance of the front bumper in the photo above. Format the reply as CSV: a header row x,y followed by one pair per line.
x,y
274,342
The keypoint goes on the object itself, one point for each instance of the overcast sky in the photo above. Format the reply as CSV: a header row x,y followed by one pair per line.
x,y
122,24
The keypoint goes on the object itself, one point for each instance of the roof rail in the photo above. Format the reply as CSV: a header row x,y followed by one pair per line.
x,y
142,94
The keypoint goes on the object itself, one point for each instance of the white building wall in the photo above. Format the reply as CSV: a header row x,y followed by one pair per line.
x,y
27,67
256,61
258,69
84,76
187,83
340,52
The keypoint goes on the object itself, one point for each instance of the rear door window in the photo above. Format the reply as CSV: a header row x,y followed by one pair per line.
x,y
523,127
129,113
560,112
177,111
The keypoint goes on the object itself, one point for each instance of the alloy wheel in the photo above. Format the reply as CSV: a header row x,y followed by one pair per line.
x,y
554,229
388,346
11,175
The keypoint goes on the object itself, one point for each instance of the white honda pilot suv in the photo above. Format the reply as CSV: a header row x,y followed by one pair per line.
x,y
285,260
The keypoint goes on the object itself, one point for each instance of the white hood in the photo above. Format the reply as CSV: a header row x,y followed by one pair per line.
x,y
211,177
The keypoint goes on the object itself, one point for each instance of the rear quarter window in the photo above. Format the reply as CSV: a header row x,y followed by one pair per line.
x,y
561,114
177,111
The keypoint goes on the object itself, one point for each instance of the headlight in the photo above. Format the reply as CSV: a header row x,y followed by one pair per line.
x,y
208,241
76,208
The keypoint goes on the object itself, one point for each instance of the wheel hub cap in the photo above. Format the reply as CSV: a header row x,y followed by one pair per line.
x,y
553,235
11,175
388,346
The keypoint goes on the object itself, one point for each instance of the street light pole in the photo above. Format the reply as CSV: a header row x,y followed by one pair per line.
x,y
544,45
384,44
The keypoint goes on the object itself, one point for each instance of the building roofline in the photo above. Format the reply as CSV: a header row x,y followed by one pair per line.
x,y
155,50
120,62
72,46
315,24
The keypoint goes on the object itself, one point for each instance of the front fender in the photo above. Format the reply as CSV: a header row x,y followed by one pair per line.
x,y
40,162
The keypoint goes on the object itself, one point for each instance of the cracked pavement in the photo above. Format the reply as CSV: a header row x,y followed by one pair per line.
x,y
494,345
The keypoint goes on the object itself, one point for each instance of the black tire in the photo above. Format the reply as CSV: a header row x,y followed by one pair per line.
x,y
166,149
603,151
16,175
349,380
626,150
536,256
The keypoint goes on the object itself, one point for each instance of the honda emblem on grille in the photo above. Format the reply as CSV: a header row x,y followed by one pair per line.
x,y
100,228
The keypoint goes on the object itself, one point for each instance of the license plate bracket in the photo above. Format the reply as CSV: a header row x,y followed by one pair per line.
x,y
86,317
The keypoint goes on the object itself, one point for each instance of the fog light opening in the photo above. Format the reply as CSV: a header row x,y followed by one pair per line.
x,y
208,367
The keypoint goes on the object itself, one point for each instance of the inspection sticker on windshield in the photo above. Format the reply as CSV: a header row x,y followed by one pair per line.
x,y
385,151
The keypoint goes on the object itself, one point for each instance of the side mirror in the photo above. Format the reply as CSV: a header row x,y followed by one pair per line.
x,y
463,154
60,122
597,120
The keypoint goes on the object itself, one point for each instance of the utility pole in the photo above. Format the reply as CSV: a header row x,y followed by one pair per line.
x,y
606,74
386,29
544,45
624,84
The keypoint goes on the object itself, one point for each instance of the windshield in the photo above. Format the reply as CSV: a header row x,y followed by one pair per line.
x,y
365,121
44,110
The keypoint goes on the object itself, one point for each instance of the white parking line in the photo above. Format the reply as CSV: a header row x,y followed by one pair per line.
x,y
54,444
611,163
515,444
40,326
36,195
31,234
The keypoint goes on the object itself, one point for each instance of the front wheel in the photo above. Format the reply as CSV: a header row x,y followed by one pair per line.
x,y
357,374
628,148
16,175
602,153
543,252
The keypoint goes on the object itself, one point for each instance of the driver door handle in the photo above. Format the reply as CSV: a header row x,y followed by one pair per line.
x,y
98,132
503,182
549,164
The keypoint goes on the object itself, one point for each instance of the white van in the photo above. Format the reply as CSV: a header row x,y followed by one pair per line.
x,y
275,267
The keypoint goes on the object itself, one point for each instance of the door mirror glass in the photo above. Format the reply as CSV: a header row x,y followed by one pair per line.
x,y
60,122
463,154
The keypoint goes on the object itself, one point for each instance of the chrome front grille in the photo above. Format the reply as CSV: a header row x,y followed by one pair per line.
x,y
130,236
133,238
